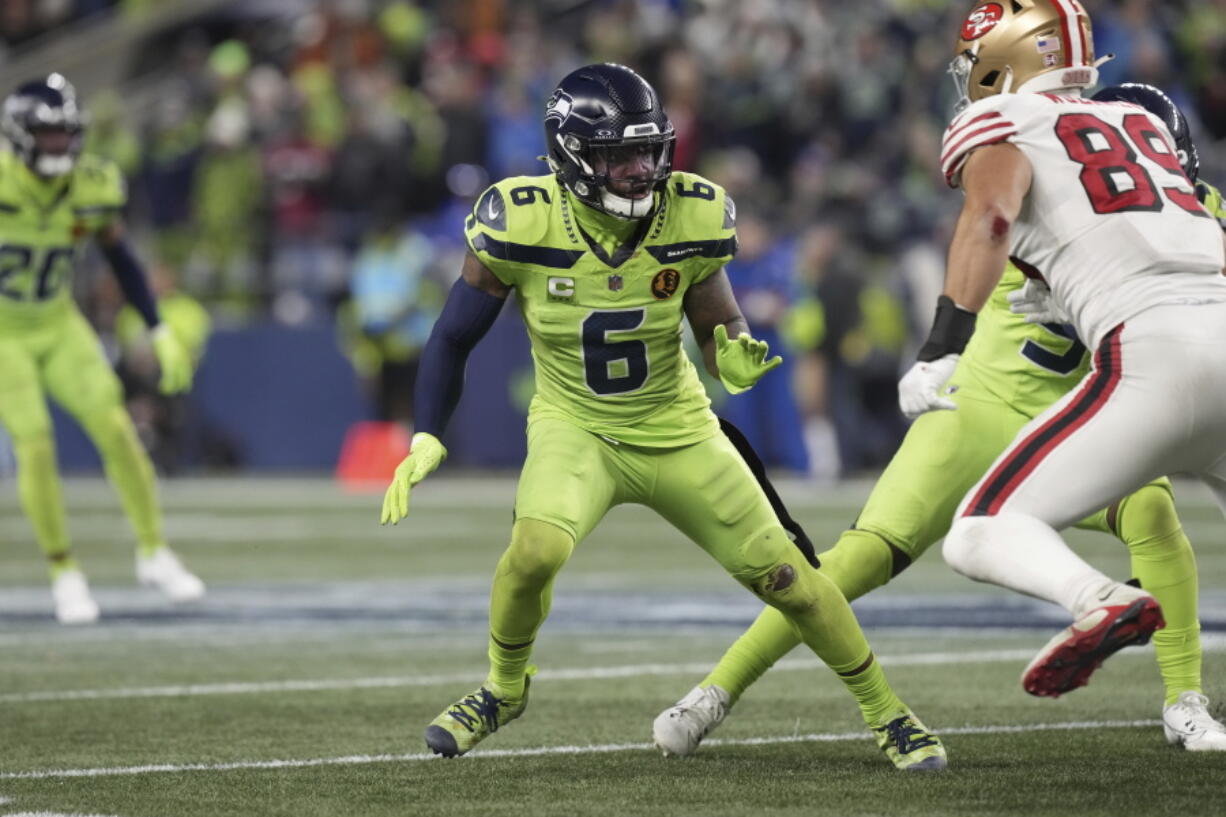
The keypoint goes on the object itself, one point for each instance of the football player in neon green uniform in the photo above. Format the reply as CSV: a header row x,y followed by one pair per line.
x,y
1011,371
51,201
606,257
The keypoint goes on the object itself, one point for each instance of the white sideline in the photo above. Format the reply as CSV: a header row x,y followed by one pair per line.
x,y
586,674
355,760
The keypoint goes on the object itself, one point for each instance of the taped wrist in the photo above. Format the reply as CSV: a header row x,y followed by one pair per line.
x,y
951,331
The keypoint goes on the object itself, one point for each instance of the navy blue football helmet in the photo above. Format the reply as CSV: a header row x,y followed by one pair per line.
x,y
604,120
43,124
1161,106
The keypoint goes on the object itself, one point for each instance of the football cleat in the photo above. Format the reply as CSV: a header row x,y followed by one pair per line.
x,y
73,602
164,572
1127,616
909,744
1187,723
471,720
679,729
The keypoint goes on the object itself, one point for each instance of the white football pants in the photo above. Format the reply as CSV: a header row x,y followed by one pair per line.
x,y
1154,403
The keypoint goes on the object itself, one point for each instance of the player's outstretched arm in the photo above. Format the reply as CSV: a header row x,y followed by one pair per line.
x,y
728,350
173,357
471,308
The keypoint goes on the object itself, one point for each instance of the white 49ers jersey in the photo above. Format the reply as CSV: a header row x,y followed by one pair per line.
x,y
1110,222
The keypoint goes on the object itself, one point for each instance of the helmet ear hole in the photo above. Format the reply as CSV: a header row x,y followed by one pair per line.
x,y
989,79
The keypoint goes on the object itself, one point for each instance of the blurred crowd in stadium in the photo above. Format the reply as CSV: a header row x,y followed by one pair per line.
x,y
318,170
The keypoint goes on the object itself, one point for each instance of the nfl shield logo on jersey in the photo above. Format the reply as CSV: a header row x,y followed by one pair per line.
x,y
615,283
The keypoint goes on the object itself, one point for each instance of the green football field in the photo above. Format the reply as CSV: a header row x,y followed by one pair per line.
x,y
301,686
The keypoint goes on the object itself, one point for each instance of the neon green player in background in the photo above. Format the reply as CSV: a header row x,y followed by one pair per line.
x,y
51,201
607,256
1013,369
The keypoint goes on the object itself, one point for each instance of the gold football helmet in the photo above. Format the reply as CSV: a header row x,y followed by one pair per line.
x,y
1011,46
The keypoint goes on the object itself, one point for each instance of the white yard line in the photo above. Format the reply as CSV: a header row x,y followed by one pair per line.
x,y
357,760
50,814
585,674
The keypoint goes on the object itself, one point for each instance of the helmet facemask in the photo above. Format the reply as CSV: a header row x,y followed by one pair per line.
x,y
959,71
627,175
620,177
55,150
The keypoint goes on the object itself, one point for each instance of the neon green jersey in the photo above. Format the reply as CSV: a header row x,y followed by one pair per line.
x,y
606,331
1028,366
42,226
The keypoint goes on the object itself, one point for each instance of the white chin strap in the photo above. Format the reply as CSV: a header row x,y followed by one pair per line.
x,y
626,208
54,165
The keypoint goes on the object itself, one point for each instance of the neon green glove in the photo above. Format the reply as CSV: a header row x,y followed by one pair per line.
x,y
174,360
425,454
741,362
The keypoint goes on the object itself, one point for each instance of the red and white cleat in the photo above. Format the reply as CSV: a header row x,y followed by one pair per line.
x,y
1127,616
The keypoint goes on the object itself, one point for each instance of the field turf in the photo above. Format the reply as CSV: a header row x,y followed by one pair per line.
x,y
302,684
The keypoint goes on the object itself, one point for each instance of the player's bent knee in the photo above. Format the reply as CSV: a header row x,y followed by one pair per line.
x,y
760,553
1150,512
537,551
862,561
964,541
776,572
789,588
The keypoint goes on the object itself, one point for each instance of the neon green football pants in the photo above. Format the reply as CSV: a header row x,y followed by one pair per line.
x,y
572,477
61,358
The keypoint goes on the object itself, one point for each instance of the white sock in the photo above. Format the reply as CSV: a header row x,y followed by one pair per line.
x,y
1025,554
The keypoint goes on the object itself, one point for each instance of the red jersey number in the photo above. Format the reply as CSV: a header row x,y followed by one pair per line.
x,y
1113,179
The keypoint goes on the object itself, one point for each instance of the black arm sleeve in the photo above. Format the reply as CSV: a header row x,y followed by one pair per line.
x,y
132,279
467,316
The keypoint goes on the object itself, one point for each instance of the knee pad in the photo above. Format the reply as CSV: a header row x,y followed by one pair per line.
x,y
760,555
537,551
1147,513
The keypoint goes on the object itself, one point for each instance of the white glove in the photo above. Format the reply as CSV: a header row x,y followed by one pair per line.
x,y
1035,301
920,388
